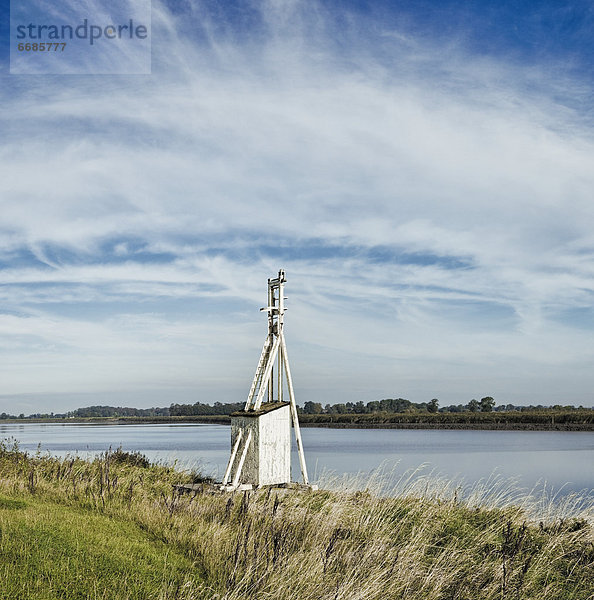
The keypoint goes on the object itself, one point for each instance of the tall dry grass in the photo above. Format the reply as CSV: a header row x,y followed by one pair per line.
x,y
427,540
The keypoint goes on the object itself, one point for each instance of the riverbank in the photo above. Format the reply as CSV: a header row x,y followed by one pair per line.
x,y
575,420
114,527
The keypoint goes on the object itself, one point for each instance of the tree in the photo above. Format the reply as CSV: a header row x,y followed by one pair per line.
x,y
473,406
398,405
487,404
360,408
312,408
433,406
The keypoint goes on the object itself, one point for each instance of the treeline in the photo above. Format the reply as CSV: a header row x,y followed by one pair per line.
x,y
174,410
95,411
401,405
388,405
375,407
117,411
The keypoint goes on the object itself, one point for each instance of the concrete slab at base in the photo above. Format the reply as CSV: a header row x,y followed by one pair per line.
x,y
215,488
243,487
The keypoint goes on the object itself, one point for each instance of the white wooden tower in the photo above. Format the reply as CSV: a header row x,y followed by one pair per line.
x,y
261,433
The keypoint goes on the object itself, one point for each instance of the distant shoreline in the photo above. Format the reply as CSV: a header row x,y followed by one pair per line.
x,y
460,426
332,422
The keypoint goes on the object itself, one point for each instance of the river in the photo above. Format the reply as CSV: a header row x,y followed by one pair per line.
x,y
563,462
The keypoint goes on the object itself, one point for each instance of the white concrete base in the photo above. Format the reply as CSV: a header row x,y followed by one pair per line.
x,y
267,459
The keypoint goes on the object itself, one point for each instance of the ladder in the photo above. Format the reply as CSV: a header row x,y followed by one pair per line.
x,y
263,362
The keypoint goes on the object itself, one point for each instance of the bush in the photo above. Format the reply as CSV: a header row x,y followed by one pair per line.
x,y
120,457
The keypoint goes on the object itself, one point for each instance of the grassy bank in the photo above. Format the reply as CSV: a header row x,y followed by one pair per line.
x,y
575,420
113,528
549,420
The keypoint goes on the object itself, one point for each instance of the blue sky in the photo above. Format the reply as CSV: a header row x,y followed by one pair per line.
x,y
421,170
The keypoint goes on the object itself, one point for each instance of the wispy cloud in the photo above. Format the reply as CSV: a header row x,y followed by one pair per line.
x,y
432,208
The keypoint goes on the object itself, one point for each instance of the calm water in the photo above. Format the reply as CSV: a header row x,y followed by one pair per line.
x,y
564,460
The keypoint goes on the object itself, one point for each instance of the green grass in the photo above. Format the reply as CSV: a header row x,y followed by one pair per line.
x,y
113,528
50,550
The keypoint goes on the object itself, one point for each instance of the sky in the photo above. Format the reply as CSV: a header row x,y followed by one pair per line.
x,y
423,171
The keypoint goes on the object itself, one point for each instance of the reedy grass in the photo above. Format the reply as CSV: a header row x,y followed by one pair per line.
x,y
425,540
